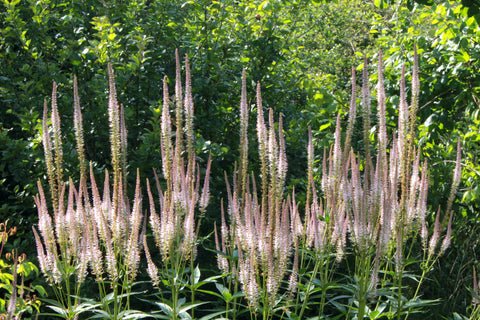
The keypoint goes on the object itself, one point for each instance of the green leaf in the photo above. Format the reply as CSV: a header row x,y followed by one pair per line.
x,y
60,311
224,291
196,275
213,315
207,281
263,5
211,293
463,57
325,126
189,306
165,308
378,3
41,290
133,314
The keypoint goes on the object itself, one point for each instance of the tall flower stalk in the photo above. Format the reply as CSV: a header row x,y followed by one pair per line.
x,y
321,238
259,228
88,233
175,226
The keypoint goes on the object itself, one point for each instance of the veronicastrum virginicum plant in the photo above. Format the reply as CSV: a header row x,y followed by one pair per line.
x,y
175,227
88,232
280,264
254,249
378,202
101,234
383,200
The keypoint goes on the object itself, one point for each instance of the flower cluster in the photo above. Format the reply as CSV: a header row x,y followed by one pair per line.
x,y
376,202
260,228
86,230
174,226
382,200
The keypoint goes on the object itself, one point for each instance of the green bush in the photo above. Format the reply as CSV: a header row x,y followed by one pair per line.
x,y
18,277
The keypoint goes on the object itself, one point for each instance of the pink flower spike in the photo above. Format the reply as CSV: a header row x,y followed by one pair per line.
x,y
446,241
435,235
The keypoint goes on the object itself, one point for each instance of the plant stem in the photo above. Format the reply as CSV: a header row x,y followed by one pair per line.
x,y
428,264
115,305
325,280
174,296
192,277
364,273
307,293
399,298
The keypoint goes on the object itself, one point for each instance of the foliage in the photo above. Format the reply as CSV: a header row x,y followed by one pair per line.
x,y
300,51
18,160
446,37
17,280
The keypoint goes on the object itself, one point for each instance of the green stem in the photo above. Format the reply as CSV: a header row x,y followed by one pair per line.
x,y
302,267
325,280
428,264
307,293
235,299
192,277
364,274
227,301
175,299
115,304
399,298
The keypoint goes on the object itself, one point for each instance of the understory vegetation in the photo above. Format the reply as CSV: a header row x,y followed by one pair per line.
x,y
274,159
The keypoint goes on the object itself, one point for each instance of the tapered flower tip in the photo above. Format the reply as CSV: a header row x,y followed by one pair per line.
x,y
54,90
243,98
178,78
458,168
435,235
111,78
